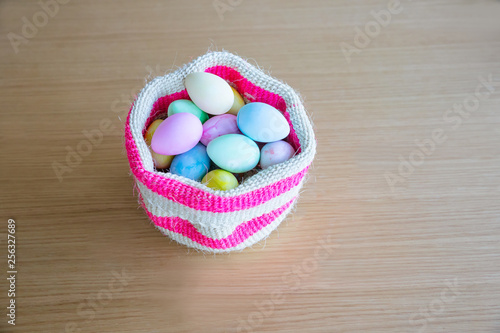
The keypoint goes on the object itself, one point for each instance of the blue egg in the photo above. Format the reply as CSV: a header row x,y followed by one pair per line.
x,y
193,164
235,153
262,123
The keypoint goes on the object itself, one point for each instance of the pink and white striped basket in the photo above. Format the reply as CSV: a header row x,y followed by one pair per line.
x,y
188,211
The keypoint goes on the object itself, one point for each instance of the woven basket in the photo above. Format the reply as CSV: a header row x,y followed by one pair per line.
x,y
188,211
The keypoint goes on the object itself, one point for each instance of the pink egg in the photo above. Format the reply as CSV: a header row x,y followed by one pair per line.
x,y
177,134
218,126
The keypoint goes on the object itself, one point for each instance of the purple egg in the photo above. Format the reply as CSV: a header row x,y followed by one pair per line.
x,y
177,134
218,126
275,153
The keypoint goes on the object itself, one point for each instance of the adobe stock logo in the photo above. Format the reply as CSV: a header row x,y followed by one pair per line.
x,y
222,6
40,19
372,29
292,282
427,314
453,119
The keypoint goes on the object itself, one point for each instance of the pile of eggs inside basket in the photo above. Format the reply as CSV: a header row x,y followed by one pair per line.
x,y
216,127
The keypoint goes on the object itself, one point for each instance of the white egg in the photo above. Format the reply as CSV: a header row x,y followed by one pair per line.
x,y
209,92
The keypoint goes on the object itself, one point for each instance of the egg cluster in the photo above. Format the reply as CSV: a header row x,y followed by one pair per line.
x,y
217,127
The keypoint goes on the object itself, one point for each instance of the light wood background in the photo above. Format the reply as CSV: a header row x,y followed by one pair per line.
x,y
422,256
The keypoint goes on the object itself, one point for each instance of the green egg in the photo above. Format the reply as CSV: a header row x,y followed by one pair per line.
x,y
220,180
185,105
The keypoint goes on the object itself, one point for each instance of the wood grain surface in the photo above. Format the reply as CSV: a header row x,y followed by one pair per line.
x,y
397,230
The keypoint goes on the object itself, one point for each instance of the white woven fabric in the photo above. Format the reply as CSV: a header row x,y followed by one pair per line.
x,y
257,237
213,225
221,225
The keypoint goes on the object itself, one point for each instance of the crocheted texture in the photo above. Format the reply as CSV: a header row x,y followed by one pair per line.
x,y
188,211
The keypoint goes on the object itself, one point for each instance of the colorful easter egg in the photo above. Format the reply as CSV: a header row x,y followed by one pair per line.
x,y
218,126
160,161
185,105
209,92
193,164
275,152
237,104
177,134
262,122
234,153
151,130
220,180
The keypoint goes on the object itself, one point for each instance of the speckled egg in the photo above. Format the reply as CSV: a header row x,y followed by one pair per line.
x,y
185,105
209,92
275,153
193,164
177,134
262,122
234,153
220,180
218,126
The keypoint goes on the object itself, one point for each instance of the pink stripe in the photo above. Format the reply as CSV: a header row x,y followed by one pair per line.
x,y
193,197
239,235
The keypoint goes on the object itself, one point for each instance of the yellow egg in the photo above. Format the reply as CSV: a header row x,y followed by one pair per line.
x,y
161,161
237,104
151,130
220,180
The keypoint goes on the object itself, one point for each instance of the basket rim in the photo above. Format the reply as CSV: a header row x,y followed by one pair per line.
x,y
156,89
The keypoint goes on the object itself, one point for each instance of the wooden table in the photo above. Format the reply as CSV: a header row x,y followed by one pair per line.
x,y
397,230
